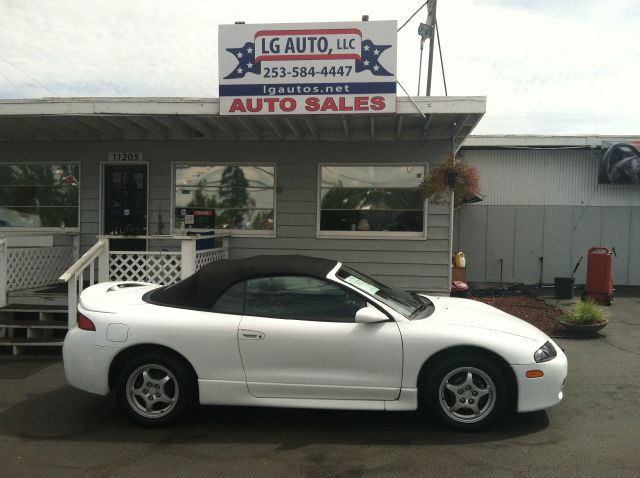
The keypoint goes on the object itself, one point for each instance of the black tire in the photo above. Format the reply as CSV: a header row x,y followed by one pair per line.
x,y
453,372
168,395
608,300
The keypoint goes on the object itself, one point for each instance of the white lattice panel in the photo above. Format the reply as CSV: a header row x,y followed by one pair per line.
x,y
155,267
206,256
30,267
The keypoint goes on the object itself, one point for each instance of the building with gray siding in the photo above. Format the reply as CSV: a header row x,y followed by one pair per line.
x,y
543,200
180,145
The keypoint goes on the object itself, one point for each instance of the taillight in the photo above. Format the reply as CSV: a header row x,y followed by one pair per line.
x,y
85,323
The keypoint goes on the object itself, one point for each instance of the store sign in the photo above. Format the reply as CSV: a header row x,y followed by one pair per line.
x,y
317,68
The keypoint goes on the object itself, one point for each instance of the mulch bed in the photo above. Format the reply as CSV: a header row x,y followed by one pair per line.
x,y
535,311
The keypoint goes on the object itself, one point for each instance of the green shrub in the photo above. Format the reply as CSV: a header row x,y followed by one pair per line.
x,y
587,312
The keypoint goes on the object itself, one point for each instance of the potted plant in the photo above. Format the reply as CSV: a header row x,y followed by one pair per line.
x,y
457,176
584,318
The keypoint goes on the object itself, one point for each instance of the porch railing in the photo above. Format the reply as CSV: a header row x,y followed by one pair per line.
x,y
164,266
3,275
96,259
33,260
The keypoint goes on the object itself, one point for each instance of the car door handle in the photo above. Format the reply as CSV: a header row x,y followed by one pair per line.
x,y
251,334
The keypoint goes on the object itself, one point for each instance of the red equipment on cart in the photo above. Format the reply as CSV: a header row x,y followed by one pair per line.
x,y
600,275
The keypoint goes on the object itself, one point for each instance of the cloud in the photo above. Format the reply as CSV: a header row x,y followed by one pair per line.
x,y
546,67
542,67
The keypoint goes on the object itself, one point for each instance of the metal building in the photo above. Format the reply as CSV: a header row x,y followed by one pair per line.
x,y
543,208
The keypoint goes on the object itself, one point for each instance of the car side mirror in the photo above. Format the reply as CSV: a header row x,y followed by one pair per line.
x,y
369,315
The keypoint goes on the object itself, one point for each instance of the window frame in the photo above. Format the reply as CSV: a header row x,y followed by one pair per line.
x,y
393,235
54,228
235,232
328,281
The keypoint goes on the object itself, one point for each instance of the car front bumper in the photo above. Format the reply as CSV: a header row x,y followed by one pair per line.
x,y
546,391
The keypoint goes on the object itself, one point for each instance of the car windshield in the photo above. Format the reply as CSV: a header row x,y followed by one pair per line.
x,y
409,305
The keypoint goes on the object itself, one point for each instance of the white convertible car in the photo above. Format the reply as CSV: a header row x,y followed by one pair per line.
x,y
296,331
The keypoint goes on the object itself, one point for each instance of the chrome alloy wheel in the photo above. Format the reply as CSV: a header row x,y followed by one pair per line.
x,y
152,391
467,394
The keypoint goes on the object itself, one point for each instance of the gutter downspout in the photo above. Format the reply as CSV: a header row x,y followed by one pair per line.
x,y
451,212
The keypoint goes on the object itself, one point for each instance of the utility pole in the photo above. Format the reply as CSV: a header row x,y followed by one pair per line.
x,y
431,21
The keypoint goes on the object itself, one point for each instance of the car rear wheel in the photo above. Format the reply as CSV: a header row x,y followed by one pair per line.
x,y
466,393
155,390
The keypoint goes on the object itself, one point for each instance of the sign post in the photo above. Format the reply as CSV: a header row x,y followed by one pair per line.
x,y
318,68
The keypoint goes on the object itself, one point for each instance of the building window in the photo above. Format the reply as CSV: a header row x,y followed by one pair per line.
x,y
39,196
230,197
371,201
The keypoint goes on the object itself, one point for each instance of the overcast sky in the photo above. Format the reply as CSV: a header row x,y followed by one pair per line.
x,y
546,66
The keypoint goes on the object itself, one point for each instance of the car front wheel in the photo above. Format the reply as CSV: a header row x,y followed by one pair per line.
x,y
155,390
466,393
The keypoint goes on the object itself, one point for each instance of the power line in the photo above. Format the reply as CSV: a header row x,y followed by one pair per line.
x,y
12,84
414,14
29,76
444,79
584,208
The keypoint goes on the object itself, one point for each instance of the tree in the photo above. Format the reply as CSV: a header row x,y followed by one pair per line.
x,y
42,195
234,197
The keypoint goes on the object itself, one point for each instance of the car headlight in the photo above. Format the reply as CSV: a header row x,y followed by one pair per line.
x,y
545,353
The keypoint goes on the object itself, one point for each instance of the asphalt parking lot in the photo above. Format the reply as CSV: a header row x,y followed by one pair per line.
x,y
49,429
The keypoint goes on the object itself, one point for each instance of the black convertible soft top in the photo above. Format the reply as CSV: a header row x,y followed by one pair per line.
x,y
204,288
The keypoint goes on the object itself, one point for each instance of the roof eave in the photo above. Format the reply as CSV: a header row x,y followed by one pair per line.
x,y
418,118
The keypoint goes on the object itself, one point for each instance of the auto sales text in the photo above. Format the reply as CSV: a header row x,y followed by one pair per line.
x,y
310,104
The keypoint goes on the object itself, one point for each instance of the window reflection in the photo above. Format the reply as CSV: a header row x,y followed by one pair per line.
x,y
372,176
244,219
39,195
301,298
213,197
371,198
376,198
207,175
234,197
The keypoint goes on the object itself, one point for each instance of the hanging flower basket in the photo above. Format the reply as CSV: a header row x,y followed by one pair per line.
x,y
451,178
459,177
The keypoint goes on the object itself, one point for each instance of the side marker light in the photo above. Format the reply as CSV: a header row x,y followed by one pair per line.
x,y
534,374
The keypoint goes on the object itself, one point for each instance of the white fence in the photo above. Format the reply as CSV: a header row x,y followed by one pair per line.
x,y
3,273
33,260
157,267
145,266
99,264
31,267
206,256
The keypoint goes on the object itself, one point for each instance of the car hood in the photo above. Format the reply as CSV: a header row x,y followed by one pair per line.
x,y
471,313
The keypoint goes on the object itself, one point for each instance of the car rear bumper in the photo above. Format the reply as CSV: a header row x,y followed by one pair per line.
x,y
546,391
86,365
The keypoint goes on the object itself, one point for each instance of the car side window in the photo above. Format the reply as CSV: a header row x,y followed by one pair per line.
x,y
301,298
231,301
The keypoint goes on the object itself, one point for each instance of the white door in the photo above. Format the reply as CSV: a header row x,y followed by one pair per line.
x,y
298,339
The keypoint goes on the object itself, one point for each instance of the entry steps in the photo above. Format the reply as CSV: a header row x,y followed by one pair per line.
x,y
33,324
